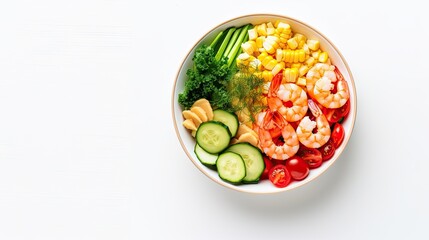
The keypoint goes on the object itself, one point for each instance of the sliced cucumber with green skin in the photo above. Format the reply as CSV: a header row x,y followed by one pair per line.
x,y
229,119
213,136
207,159
253,159
231,167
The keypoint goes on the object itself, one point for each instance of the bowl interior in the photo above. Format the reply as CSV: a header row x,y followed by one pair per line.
x,y
188,142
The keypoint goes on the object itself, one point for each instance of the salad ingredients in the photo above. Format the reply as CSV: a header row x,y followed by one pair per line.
x,y
205,105
279,176
318,71
312,156
329,99
207,79
269,122
253,159
320,85
306,127
206,158
288,99
297,168
268,166
200,112
245,134
276,47
337,134
245,89
189,124
327,150
189,115
336,114
229,119
213,136
230,167
272,112
212,69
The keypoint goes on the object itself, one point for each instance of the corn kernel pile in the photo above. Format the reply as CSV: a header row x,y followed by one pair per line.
x,y
273,47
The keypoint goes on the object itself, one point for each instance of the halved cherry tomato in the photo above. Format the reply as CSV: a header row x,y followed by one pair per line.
x,y
332,115
327,150
268,166
312,156
279,176
345,109
297,167
337,134
335,114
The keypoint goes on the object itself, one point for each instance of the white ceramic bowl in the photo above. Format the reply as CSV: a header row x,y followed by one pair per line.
x,y
188,142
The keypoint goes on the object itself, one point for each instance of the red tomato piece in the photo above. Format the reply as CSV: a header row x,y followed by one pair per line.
x,y
268,166
312,156
335,114
332,115
327,150
337,135
297,167
279,176
345,109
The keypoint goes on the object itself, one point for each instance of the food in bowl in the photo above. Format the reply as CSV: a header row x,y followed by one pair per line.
x,y
264,102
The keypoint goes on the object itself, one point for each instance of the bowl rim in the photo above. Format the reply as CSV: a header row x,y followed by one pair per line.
x,y
301,183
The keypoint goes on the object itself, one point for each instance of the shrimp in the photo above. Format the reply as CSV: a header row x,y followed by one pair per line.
x,y
289,99
305,128
320,85
272,124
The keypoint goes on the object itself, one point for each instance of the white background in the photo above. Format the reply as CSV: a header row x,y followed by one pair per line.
x,y
88,150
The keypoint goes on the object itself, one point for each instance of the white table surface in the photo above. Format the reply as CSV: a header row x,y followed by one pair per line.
x,y
88,150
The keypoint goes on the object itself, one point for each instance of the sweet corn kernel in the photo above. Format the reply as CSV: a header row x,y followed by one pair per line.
x,y
313,44
279,66
262,29
323,57
316,54
279,55
303,70
271,31
295,65
247,48
269,47
306,49
292,43
260,41
302,81
255,64
301,55
271,64
284,27
290,75
310,61
243,56
266,60
253,34
262,56
267,75
300,37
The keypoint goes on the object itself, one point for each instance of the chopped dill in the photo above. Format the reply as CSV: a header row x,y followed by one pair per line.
x,y
245,91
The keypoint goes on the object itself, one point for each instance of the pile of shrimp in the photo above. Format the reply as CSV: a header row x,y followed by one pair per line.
x,y
300,80
290,105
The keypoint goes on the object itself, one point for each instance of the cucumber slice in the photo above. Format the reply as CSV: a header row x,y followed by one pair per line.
x,y
213,136
231,167
229,119
253,159
207,159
